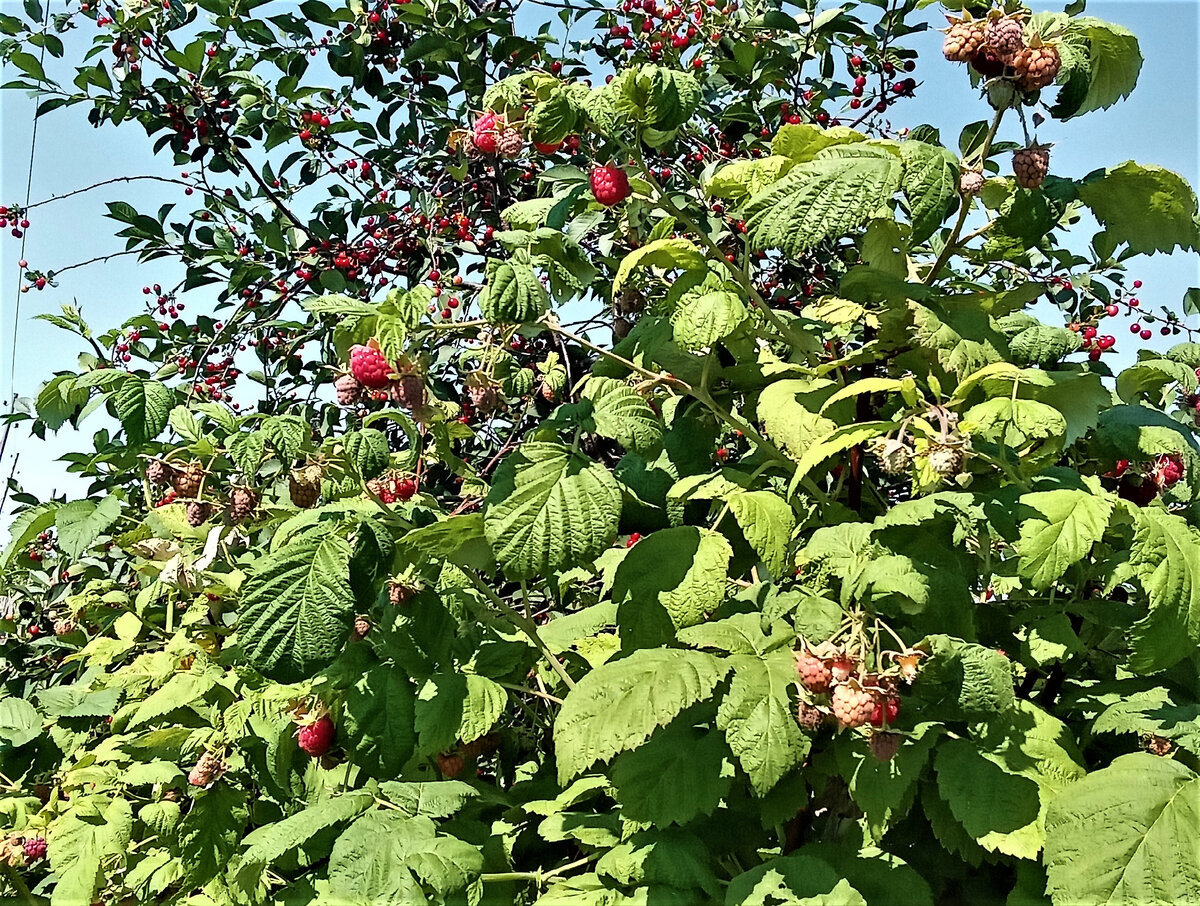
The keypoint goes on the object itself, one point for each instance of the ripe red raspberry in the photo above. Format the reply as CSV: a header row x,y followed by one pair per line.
x,y
852,705
450,764
316,738
547,147
610,184
369,367
209,767
486,132
885,711
405,489
814,672
35,848
348,390
1168,469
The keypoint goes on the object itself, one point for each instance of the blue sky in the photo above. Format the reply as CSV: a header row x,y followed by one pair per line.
x,y
1157,125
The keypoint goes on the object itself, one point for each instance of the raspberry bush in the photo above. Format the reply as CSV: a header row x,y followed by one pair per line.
x,y
606,464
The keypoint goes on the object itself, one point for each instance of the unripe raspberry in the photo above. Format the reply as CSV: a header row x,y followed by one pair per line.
x,y
399,592
884,746
209,768
242,504
304,485
361,627
945,460
348,390
1031,166
852,705
815,674
1037,66
971,183
158,472
610,184
510,143
894,455
408,391
197,513
369,367
450,764
1004,36
186,481
810,717
963,40
64,626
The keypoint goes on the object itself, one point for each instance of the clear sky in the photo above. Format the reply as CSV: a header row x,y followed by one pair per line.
x,y
1158,124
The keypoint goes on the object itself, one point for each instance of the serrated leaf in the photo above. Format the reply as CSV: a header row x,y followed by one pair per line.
x,y
802,142
619,704
1067,524
1151,208
246,450
1122,835
623,414
1113,64
143,408
378,723
368,451
742,178
513,294
1166,559
704,319
668,254
757,717
767,521
81,522
676,572
209,833
930,186
268,843
457,706
823,199
677,776
93,831
548,509
297,608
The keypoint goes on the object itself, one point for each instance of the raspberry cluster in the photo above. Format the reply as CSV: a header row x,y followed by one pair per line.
x,y
835,684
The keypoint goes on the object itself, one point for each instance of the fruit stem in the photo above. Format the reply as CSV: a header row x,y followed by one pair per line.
x,y
964,211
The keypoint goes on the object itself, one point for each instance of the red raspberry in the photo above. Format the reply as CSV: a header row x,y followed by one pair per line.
x,y
852,705
486,132
610,184
369,367
35,848
317,737
814,672
887,710
1168,470
547,147
406,488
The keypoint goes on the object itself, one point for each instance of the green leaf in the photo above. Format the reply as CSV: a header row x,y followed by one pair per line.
x,y
143,408
678,574
680,774
757,717
94,831
667,254
19,722
246,450
513,293
550,508
368,451
801,142
271,842
997,808
672,857
788,411
1166,559
1155,379
378,728
383,856
705,319
1067,524
741,178
930,186
623,414
81,522
618,705
1122,835
1151,208
297,608
211,830
767,521
962,681
1114,62
823,199
457,706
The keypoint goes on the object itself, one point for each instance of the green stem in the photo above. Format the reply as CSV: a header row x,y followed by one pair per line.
x,y
964,212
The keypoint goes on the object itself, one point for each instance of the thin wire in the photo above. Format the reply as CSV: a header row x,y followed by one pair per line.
x,y
12,365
